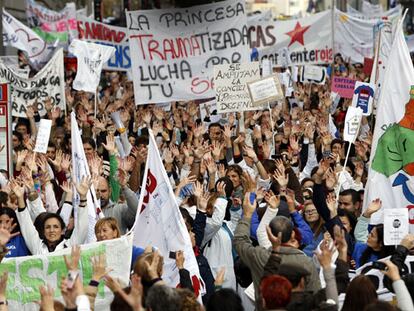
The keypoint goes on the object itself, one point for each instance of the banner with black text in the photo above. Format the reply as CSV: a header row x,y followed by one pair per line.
x,y
173,51
48,82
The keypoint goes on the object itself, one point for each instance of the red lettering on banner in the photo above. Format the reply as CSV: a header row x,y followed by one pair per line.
x,y
2,111
168,48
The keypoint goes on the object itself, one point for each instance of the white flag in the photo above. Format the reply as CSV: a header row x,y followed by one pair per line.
x,y
80,169
390,176
352,123
91,58
21,37
159,222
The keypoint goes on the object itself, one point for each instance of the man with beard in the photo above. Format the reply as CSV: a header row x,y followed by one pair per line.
x,y
124,213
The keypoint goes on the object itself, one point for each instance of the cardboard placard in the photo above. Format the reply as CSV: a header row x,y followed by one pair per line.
x,y
396,225
265,90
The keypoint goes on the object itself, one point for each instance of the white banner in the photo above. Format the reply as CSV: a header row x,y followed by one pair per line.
x,y
307,40
52,25
383,43
93,31
354,36
91,58
27,274
391,175
230,86
371,9
48,82
159,222
21,37
80,168
173,51
396,10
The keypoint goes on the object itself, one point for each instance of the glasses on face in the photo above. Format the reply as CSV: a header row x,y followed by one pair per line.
x,y
307,197
311,212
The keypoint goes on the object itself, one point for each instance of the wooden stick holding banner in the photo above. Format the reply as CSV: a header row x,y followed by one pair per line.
x,y
96,100
351,130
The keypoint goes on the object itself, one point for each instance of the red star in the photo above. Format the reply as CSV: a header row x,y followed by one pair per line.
x,y
297,34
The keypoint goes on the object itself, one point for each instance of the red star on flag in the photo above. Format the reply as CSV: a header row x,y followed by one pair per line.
x,y
297,34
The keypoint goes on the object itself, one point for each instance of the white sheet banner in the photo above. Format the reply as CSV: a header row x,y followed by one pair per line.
x,y
159,222
307,40
52,25
80,169
21,37
93,31
173,51
371,9
27,274
47,83
354,36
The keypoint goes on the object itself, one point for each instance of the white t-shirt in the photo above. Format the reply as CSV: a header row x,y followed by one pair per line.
x,y
91,58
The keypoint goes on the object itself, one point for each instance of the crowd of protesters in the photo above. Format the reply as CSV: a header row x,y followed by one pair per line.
x,y
257,191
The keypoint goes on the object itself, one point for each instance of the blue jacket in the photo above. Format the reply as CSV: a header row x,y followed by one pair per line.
x,y
359,248
17,247
308,250
304,229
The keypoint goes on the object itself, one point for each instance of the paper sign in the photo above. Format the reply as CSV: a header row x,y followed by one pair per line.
x,y
265,90
396,225
209,109
43,134
343,86
314,74
230,86
267,68
363,97
352,123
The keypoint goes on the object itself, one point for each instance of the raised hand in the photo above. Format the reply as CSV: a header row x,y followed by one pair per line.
x,y
373,207
83,186
281,178
72,263
331,203
221,188
276,241
248,208
110,144
250,153
66,162
272,199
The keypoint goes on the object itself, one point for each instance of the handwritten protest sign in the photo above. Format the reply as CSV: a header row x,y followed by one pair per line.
x,y
173,51
52,25
265,90
344,87
48,82
26,274
230,86
43,134
96,32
